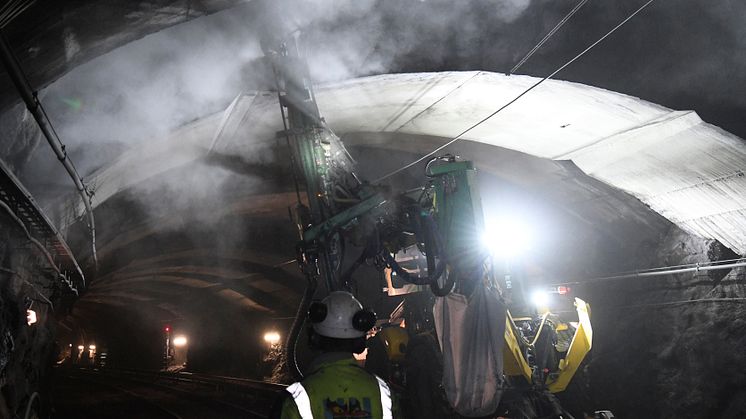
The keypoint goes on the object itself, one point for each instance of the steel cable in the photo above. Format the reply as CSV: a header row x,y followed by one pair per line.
x,y
547,36
515,99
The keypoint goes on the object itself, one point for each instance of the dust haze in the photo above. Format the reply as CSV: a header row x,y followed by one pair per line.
x,y
685,56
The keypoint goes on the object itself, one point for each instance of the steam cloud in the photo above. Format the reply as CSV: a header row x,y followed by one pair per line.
x,y
140,91
145,89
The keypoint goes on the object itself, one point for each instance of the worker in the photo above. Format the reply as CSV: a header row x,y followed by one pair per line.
x,y
423,360
336,386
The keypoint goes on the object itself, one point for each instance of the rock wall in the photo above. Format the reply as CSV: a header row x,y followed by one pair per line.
x,y
672,346
27,352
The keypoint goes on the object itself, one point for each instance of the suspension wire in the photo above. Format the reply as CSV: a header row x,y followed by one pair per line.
x,y
737,263
547,36
682,302
682,266
12,10
515,99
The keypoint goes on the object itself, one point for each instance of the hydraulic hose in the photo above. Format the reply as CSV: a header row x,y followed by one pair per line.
x,y
291,344
433,246
30,404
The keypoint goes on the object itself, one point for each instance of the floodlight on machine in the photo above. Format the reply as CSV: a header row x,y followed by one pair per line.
x,y
540,298
506,237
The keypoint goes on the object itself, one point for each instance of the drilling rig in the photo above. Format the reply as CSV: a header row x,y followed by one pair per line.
x,y
440,223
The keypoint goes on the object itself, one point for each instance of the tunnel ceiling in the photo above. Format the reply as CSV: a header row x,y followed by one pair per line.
x,y
51,37
614,168
174,243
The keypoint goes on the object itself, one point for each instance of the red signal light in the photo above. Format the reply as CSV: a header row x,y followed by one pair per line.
x,y
167,329
563,290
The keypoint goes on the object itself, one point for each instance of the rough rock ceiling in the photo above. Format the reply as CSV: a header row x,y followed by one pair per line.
x,y
51,37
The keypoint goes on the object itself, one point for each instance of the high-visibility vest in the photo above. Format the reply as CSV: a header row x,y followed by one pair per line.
x,y
339,389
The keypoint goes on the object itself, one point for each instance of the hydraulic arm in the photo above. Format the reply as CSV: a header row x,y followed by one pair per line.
x,y
440,222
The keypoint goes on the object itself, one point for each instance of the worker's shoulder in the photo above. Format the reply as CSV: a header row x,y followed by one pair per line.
x,y
339,374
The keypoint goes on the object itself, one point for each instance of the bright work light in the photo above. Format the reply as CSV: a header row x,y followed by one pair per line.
x,y
506,237
180,341
273,338
540,298
30,317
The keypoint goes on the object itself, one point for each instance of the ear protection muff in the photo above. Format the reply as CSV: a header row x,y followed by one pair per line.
x,y
317,312
363,320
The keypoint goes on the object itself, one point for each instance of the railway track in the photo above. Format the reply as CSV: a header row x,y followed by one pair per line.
x,y
87,393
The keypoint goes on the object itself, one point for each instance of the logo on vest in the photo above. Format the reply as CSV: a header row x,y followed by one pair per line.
x,y
352,409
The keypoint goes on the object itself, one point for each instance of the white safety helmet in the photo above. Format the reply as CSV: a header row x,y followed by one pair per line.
x,y
340,315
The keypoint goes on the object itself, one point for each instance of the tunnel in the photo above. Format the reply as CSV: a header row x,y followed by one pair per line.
x,y
154,264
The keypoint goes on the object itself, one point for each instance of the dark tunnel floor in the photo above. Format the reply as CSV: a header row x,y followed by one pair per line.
x,y
91,395
77,398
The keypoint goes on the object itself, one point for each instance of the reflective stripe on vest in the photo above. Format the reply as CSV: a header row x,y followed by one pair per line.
x,y
385,398
301,400
303,403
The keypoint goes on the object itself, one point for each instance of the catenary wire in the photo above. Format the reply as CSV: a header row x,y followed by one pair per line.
x,y
547,36
515,99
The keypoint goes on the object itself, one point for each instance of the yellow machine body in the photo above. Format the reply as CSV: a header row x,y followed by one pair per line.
x,y
516,365
581,344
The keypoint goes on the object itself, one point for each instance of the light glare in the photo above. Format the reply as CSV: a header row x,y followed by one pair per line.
x,y
273,338
180,341
506,237
30,317
540,298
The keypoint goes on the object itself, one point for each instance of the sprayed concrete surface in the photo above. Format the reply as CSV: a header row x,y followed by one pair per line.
x,y
685,169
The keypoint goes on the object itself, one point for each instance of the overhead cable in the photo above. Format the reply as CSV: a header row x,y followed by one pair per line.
x,y
515,99
736,263
13,9
682,302
547,36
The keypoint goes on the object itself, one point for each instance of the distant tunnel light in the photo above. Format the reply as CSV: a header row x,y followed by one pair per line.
x,y
30,317
506,236
81,347
91,347
180,341
273,338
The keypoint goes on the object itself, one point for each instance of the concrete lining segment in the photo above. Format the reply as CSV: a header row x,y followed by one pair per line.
x,y
642,148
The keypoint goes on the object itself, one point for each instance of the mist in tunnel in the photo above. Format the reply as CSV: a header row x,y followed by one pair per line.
x,y
199,238
147,88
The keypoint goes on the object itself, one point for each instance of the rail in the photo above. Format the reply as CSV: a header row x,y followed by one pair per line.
x,y
252,397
